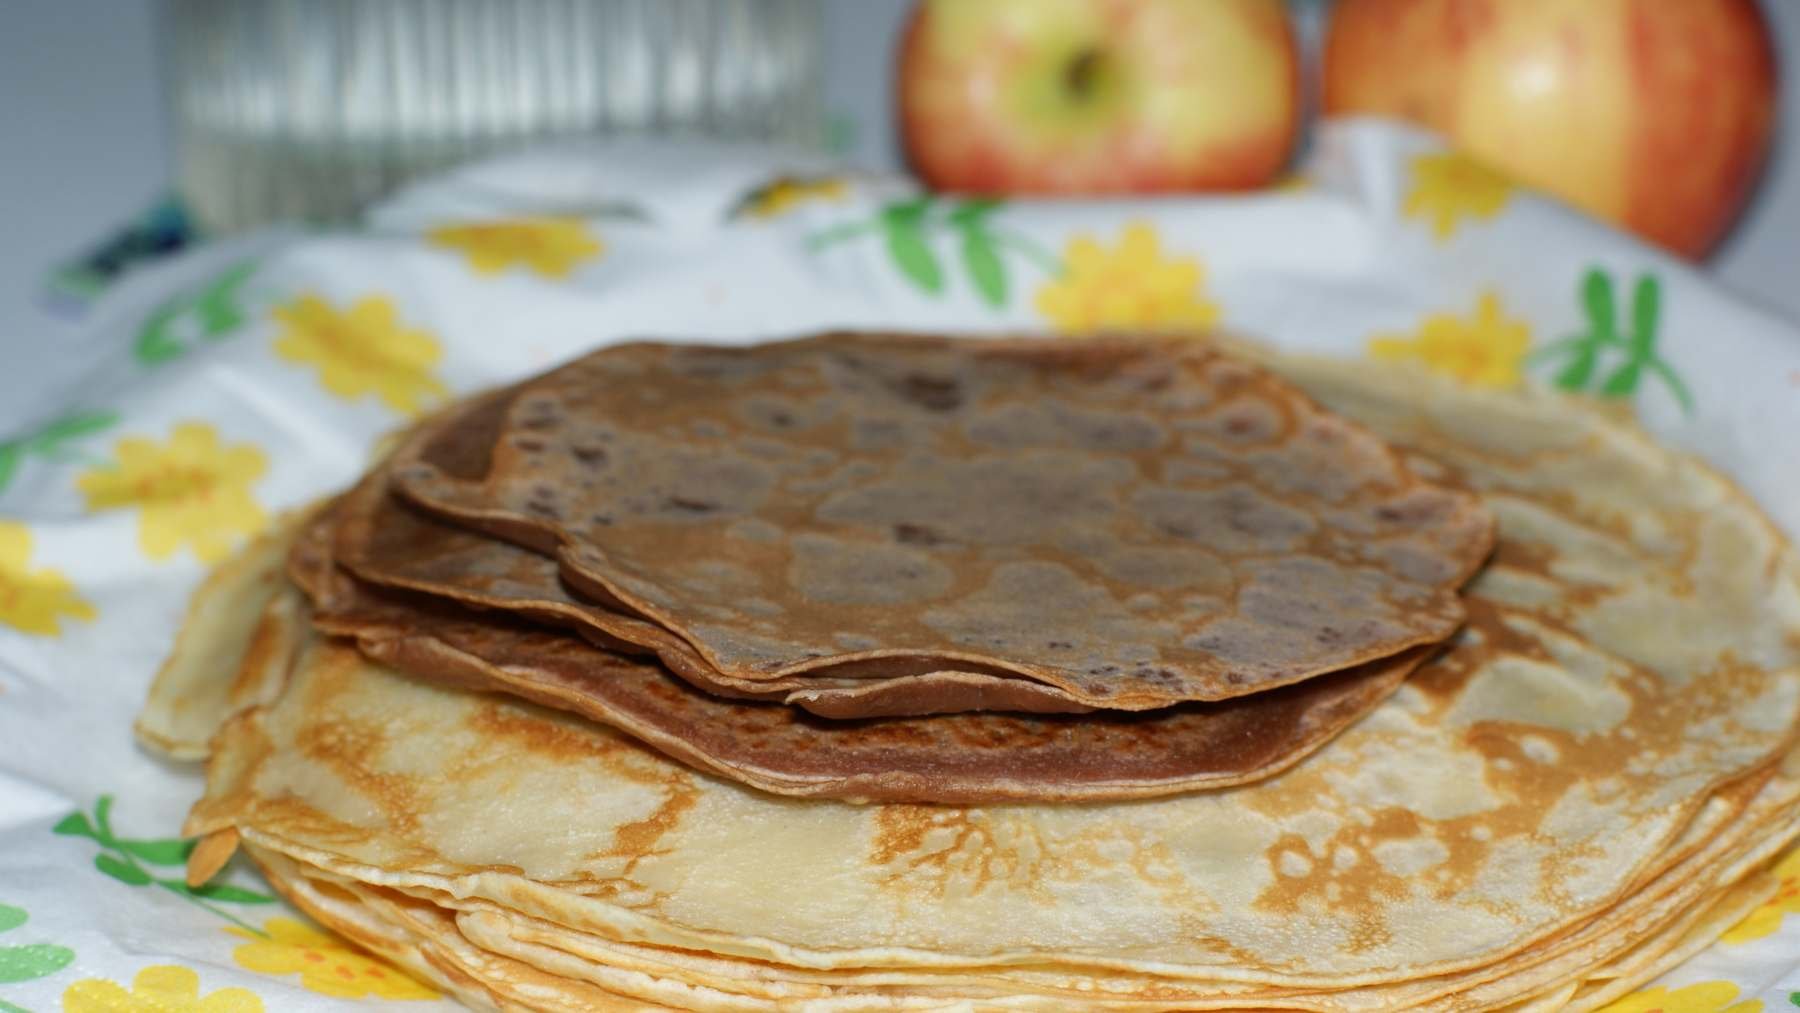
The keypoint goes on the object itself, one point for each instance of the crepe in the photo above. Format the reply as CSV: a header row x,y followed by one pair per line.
x,y
387,543
965,757
1580,775
1625,946
243,618
1759,811
1664,909
1130,524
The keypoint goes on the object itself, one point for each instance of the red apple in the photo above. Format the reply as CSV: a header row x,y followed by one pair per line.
x,y
1098,96
1653,114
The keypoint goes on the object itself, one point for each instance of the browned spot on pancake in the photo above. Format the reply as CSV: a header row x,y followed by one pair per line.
x,y
933,393
1532,557
243,746
637,839
552,738
937,851
940,847
346,748
1520,782
1342,877
634,840
293,818
900,830
916,534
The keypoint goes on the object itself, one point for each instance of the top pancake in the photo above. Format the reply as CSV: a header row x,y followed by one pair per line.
x,y
390,543
1134,523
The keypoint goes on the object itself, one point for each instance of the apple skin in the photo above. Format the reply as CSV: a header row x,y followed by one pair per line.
x,y
1098,96
1652,114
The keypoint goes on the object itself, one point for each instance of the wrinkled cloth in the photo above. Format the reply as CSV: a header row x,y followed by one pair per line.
x,y
251,377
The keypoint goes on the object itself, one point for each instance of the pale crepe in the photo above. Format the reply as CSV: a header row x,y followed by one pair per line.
x,y
1643,935
240,620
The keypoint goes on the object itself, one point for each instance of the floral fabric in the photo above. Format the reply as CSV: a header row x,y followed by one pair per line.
x,y
250,377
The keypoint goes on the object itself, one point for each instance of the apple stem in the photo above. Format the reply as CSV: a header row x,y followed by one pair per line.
x,y
1082,75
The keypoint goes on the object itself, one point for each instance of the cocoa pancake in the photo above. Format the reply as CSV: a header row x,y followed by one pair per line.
x,y
1133,523
964,758
388,542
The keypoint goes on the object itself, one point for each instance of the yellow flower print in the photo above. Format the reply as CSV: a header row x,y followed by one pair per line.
x,y
33,600
1705,997
326,964
1766,919
550,246
160,988
1485,350
361,350
1449,187
1133,286
192,491
783,195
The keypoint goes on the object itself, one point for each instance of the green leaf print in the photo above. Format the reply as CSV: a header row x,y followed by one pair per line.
x,y
52,441
1629,355
1646,313
25,963
168,851
973,213
1597,299
119,859
908,228
218,307
209,314
103,821
121,869
75,825
156,342
218,891
1623,381
1580,370
907,244
986,271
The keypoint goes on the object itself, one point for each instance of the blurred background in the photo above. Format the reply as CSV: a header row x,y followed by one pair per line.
x,y
109,106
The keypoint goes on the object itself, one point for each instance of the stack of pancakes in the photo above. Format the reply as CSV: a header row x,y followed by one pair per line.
x,y
875,671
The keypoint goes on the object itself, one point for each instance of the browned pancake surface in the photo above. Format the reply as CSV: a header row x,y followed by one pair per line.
x,y
1130,523
390,543
963,758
